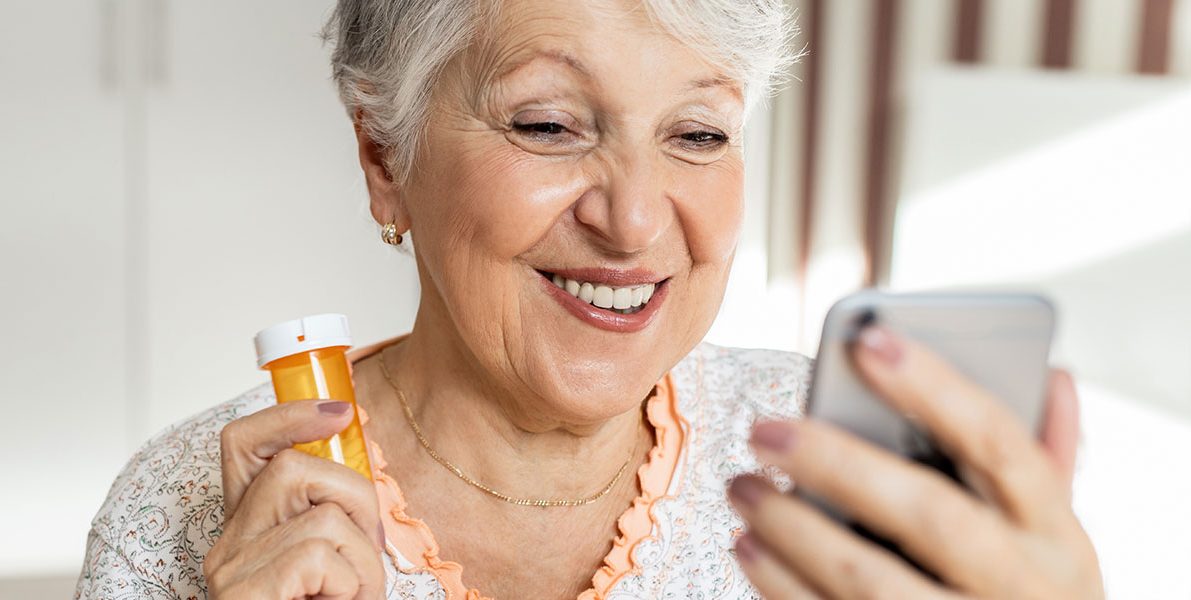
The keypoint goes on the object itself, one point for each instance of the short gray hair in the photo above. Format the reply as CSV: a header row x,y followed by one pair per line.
x,y
387,54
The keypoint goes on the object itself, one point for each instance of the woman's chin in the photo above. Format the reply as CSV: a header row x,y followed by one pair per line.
x,y
598,389
597,373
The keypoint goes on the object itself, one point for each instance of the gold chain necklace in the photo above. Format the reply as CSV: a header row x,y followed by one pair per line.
x,y
413,423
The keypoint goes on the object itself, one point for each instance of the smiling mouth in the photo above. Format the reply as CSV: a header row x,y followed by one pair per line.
x,y
623,300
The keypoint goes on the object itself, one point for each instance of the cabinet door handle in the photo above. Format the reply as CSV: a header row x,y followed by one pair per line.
x,y
157,46
109,75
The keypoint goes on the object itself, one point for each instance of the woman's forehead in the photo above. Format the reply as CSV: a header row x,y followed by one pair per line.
x,y
580,39
566,31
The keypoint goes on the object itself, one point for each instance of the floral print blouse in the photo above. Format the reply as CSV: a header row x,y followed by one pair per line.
x,y
165,509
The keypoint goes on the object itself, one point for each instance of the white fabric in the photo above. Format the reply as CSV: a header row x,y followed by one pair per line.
x,y
165,510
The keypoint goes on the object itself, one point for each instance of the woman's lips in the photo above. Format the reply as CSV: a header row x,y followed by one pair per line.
x,y
606,319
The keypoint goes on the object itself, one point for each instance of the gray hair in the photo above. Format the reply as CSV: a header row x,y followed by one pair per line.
x,y
388,54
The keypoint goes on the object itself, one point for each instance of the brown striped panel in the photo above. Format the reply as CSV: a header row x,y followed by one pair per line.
x,y
969,15
876,176
1153,52
1058,34
811,82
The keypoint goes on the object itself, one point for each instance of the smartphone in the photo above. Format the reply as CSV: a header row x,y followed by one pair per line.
x,y
1000,341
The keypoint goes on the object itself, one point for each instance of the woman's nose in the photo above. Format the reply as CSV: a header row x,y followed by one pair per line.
x,y
632,209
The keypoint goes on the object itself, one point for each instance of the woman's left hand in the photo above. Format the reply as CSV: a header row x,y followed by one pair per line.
x,y
1014,536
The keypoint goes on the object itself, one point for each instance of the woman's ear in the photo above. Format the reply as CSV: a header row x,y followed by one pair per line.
x,y
385,199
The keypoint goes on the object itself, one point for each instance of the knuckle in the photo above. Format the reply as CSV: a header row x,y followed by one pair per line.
x,y
366,490
287,464
210,572
997,449
329,517
231,436
216,581
986,540
213,568
940,511
212,560
317,550
954,519
943,514
864,580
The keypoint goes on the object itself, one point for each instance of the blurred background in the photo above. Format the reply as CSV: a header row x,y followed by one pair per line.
x,y
176,175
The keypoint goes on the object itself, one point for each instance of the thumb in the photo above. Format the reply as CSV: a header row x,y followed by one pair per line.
x,y
1060,425
247,444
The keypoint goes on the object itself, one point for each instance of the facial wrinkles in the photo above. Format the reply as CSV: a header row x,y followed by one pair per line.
x,y
493,60
538,34
567,185
604,112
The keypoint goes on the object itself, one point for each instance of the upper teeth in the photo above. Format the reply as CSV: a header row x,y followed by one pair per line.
x,y
605,296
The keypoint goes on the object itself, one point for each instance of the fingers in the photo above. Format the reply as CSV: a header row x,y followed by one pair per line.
x,y
973,427
319,553
1060,424
296,525
773,579
819,551
329,522
247,444
310,568
929,518
293,482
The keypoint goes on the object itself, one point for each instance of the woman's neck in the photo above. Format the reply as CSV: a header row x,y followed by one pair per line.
x,y
504,434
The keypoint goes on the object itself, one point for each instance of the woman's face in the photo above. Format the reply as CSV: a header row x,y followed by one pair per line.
x,y
577,140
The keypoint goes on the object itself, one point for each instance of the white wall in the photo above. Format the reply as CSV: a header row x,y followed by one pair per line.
x,y
1073,184
1076,186
175,176
63,285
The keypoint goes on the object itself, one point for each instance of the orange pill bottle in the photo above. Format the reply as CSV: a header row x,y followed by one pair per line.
x,y
307,359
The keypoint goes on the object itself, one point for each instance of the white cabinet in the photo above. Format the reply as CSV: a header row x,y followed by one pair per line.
x,y
63,278
174,176
258,210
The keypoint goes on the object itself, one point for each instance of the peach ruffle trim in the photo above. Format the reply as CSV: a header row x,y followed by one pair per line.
x,y
638,522
414,541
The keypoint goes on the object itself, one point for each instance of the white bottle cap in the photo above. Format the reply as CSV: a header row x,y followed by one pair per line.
x,y
301,335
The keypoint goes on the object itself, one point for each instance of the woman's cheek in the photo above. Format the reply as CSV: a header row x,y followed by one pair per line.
x,y
711,209
516,198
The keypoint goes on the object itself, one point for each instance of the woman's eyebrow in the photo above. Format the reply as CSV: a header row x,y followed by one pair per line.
x,y
559,56
572,62
717,81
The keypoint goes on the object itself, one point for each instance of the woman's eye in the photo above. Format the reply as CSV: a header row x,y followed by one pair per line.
x,y
544,128
704,139
548,133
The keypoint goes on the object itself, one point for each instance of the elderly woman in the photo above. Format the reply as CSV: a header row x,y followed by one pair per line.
x,y
552,426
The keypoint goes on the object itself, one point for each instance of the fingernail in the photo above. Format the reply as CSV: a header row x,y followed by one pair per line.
x,y
380,535
881,344
747,548
774,436
333,407
746,491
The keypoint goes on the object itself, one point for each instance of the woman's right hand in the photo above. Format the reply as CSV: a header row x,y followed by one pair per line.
x,y
295,525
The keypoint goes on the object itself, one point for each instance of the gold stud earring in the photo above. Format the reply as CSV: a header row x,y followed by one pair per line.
x,y
389,235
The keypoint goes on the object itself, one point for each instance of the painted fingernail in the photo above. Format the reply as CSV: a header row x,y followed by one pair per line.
x,y
380,535
333,407
881,344
746,491
747,548
776,437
